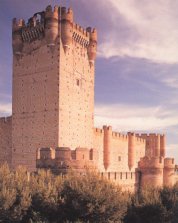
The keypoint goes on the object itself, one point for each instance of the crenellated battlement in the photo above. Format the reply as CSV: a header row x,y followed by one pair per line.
x,y
61,159
63,153
81,30
152,135
66,14
155,144
52,25
51,13
32,33
98,130
169,163
128,180
80,35
93,34
119,136
153,162
139,140
122,176
4,120
17,24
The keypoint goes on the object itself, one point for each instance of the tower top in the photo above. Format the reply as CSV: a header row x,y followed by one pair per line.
x,y
51,24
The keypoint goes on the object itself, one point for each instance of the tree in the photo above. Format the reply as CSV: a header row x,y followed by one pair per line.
x,y
90,198
15,196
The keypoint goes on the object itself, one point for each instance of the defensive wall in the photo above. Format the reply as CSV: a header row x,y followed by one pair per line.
x,y
117,151
156,171
61,160
155,144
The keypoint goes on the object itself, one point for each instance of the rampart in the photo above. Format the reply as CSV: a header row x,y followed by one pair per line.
x,y
118,151
129,181
46,27
61,159
6,140
155,144
157,171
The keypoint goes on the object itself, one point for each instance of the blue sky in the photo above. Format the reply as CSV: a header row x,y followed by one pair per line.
x,y
136,86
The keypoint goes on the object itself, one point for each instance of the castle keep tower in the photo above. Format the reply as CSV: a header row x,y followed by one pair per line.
x,y
53,84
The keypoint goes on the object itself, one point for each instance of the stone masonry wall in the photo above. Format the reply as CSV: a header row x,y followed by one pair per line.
x,y
118,151
35,102
76,98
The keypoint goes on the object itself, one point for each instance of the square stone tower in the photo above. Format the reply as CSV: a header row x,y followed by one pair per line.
x,y
53,84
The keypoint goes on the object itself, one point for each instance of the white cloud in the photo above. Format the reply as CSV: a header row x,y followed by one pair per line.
x,y
171,81
5,109
171,151
152,34
135,118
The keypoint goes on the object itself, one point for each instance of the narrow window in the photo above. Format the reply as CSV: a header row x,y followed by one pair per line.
x,y
115,175
121,176
78,82
119,158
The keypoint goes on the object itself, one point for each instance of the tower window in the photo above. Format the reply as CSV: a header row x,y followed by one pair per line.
x,y
77,82
119,158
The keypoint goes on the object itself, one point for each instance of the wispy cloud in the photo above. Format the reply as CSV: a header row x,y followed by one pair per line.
x,y
135,118
151,28
171,81
171,151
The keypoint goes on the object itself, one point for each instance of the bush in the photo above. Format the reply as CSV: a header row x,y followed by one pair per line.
x,y
90,198
45,198
153,205
15,196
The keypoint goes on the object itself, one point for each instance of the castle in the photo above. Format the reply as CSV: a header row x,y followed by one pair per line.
x,y
52,122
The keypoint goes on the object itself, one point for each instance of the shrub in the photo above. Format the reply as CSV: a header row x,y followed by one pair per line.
x,y
15,196
90,198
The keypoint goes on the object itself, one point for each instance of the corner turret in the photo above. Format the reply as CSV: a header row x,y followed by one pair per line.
x,y
151,170
92,47
169,172
162,145
17,42
51,25
66,27
107,145
131,150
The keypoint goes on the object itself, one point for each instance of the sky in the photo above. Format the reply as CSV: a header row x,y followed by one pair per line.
x,y
136,78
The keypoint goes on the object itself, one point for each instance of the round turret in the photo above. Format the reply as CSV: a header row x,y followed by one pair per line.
x,y
163,145
107,145
51,25
151,171
63,153
131,150
169,172
46,153
92,47
157,146
66,27
17,42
